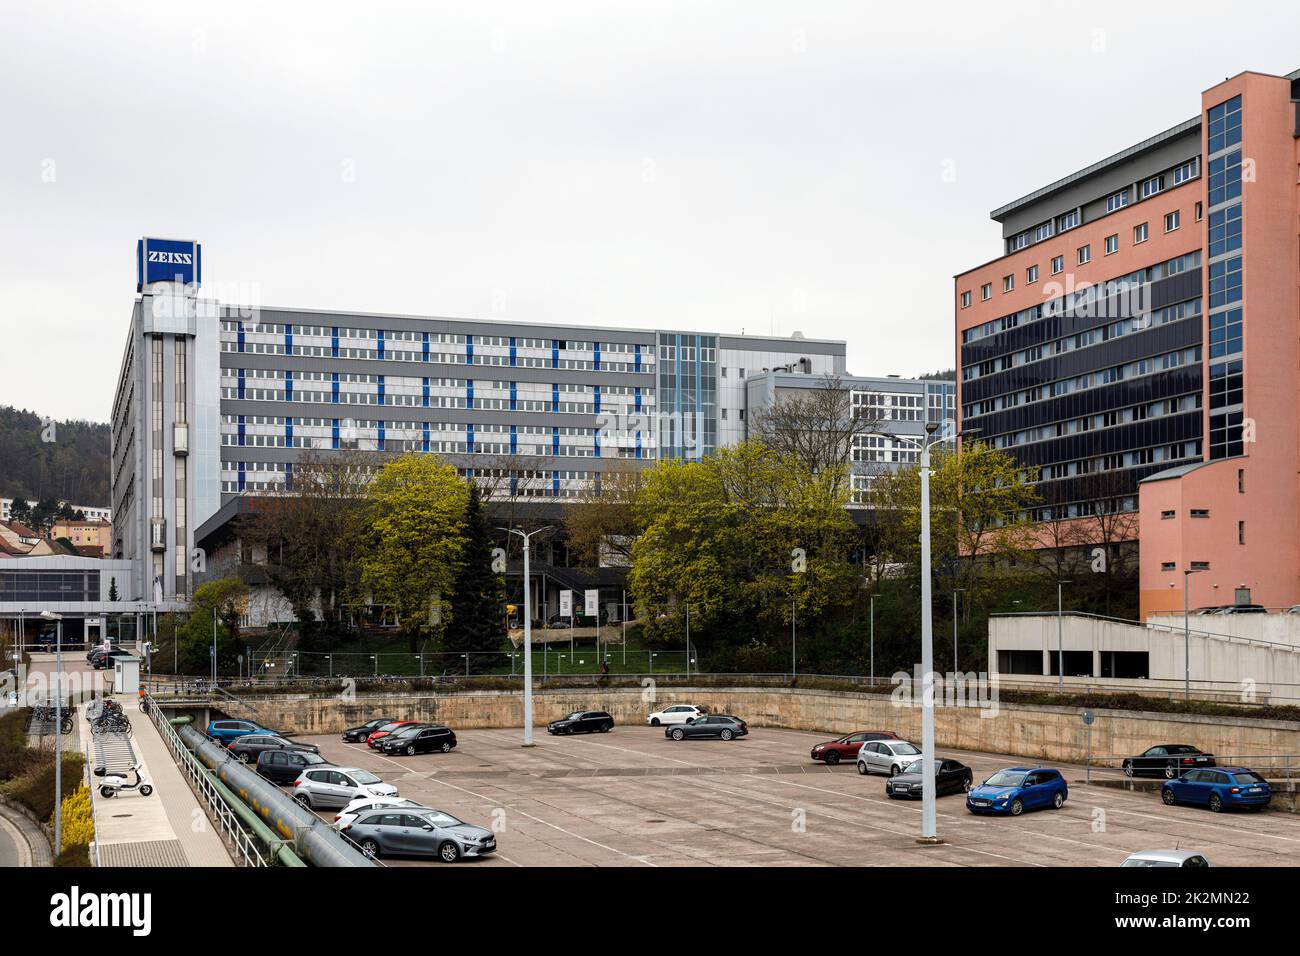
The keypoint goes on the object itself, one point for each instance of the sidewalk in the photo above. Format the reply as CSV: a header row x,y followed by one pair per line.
x,y
166,828
21,842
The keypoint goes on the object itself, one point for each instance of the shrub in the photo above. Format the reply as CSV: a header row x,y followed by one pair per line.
x,y
78,821
35,789
15,757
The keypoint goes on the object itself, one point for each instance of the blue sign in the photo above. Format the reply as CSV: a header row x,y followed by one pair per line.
x,y
168,260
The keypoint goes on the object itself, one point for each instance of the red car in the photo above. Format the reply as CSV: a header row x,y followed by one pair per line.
x,y
847,747
387,729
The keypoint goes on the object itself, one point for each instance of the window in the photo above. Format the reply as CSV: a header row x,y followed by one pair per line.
x,y
1241,532
1186,171
1200,565
1171,220
1058,264
965,304
1084,254
1224,128
1200,211
1044,231
1167,566
1117,201
1112,244
1031,275
1018,242
1070,220
1008,283
986,291
1140,233
1241,481
1200,512
1166,515
1149,187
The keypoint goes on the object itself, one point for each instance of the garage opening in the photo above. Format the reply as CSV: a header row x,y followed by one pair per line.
x,y
1130,664
1077,664
1020,662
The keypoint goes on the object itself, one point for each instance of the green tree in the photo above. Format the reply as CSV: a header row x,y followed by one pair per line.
x,y
477,598
413,529
216,605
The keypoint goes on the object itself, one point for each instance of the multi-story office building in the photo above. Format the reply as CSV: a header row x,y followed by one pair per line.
x,y
1107,346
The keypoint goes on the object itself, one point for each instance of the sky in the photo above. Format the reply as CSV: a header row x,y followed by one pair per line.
x,y
766,167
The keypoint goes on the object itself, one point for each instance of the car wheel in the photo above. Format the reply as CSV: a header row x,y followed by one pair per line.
x,y
862,768
606,728
726,735
679,734
370,848
410,750
1167,796
302,800
1058,801
446,746
448,852
1216,803
832,758
243,758
1017,807
894,771
654,721
1170,771
1128,768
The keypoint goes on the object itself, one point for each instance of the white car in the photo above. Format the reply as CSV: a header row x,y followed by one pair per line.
x,y
887,756
337,786
676,714
361,804
1167,858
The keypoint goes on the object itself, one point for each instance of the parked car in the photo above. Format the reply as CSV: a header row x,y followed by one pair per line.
x,y
285,766
248,747
1223,788
1191,858
386,729
887,756
358,735
950,776
101,659
1017,789
721,726
676,714
363,804
847,747
423,739
338,786
419,833
1243,609
1166,760
582,722
224,731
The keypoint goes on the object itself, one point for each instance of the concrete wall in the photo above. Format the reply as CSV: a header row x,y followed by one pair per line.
x,y
1045,733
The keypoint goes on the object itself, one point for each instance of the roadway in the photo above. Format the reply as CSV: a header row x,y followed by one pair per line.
x,y
632,798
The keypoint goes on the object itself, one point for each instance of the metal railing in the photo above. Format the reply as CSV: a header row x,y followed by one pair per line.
x,y
94,805
246,849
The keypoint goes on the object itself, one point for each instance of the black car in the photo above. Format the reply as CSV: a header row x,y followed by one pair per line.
x,y
100,658
247,748
358,735
284,766
711,725
950,776
1166,760
426,738
582,722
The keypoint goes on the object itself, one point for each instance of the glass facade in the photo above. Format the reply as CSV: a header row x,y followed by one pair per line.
x,y
1224,259
688,395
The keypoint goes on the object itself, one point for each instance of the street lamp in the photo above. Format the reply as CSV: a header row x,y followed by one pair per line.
x,y
1187,635
528,634
58,727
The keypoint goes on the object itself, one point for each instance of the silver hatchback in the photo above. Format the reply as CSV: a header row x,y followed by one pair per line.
x,y
337,787
405,831
887,756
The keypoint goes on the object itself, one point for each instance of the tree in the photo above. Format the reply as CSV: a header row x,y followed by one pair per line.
x,y
604,523
412,527
21,511
477,622
220,604
112,589
815,426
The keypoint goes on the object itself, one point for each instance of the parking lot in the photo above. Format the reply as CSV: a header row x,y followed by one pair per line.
x,y
632,798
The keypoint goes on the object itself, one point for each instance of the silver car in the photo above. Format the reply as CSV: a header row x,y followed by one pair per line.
x,y
887,756
362,804
338,786
1190,858
405,831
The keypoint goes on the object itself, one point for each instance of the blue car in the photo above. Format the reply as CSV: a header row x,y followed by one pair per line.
x,y
1017,789
1219,789
224,731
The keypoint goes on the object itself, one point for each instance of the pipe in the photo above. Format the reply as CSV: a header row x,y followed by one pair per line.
x,y
313,839
283,853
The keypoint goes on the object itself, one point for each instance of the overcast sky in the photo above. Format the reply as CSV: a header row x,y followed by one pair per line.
x,y
760,166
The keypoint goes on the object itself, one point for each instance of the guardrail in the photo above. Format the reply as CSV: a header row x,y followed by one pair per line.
x,y
94,805
245,847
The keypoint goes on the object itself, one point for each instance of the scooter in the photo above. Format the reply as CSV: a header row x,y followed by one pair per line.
x,y
113,783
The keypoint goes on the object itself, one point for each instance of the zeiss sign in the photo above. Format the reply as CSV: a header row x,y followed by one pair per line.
x,y
168,260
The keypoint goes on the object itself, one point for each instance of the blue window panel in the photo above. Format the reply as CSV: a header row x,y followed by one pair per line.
x,y
596,366
595,442
1224,181
514,439
1225,230
513,356
637,393
424,348
1225,282
334,389
288,339
288,432
514,395
381,344
1225,333
469,473
555,440
638,444
555,398
596,393
243,481
555,353
469,438
555,483
637,361
469,350
240,392
514,486
381,436
424,393
239,337
381,390
334,341
334,434
241,429
469,393
288,386
424,438
1224,126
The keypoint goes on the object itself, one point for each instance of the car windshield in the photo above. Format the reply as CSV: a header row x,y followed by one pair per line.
x,y
576,715
1139,862
1005,778
1248,776
364,777
311,758
903,748
404,731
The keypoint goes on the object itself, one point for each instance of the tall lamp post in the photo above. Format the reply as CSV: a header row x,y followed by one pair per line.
x,y
58,727
928,795
528,633
1187,635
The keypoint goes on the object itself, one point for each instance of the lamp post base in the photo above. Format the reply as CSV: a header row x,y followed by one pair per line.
x,y
929,841
528,745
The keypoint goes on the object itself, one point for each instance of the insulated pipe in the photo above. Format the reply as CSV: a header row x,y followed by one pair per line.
x,y
312,838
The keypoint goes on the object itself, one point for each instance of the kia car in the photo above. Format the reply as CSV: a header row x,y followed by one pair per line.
x,y
847,747
950,776
411,832
887,756
364,804
1166,760
1017,789
338,786
1219,788
1167,858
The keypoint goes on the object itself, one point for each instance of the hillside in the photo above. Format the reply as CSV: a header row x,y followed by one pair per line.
x,y
74,467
